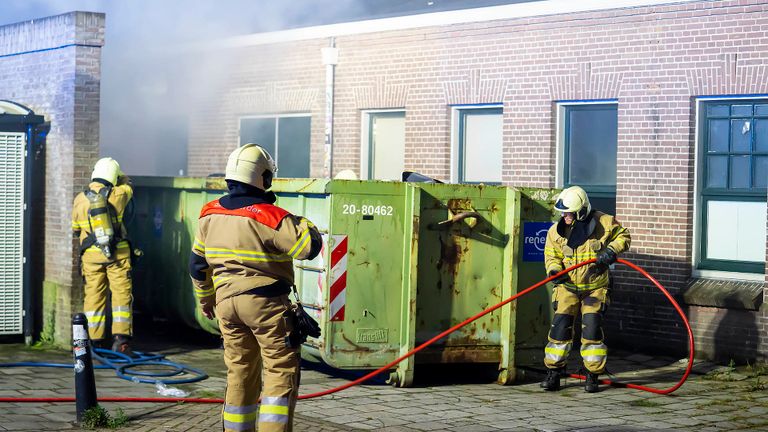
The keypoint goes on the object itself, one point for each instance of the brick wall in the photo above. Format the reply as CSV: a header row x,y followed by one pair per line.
x,y
655,60
53,66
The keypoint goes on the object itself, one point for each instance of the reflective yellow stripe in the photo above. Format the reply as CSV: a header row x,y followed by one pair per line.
x,y
595,352
557,351
246,255
218,280
274,409
121,314
301,243
240,418
97,318
584,256
553,252
198,246
202,293
120,245
304,245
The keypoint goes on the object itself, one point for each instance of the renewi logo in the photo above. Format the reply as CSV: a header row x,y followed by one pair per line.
x,y
534,238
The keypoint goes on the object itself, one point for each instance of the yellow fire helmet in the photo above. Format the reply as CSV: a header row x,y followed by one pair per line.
x,y
574,200
107,169
251,164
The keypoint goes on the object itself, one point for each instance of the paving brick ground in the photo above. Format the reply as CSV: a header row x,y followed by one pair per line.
x,y
733,401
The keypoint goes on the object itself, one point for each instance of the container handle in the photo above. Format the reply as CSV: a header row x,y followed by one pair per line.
x,y
310,268
458,217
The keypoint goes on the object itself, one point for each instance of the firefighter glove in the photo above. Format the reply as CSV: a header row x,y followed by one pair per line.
x,y
560,279
606,258
303,326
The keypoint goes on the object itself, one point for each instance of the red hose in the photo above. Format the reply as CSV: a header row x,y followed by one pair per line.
x,y
434,339
691,348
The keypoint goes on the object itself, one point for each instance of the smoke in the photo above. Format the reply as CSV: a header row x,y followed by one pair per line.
x,y
148,88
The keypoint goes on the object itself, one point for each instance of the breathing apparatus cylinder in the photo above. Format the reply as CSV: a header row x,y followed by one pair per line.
x,y
100,221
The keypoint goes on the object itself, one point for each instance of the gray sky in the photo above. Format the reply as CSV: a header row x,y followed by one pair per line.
x,y
143,122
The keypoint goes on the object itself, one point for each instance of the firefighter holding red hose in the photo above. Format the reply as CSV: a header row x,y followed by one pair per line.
x,y
580,235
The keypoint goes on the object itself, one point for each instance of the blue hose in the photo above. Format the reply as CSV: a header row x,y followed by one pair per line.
x,y
121,363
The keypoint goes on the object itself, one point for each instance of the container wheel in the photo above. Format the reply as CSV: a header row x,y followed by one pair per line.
x,y
506,377
399,379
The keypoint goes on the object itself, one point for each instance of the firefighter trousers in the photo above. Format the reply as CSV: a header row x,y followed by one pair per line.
x,y
566,305
254,331
117,276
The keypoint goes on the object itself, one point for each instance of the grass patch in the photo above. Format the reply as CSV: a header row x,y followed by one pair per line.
x,y
209,394
645,403
756,370
757,385
722,374
710,403
98,417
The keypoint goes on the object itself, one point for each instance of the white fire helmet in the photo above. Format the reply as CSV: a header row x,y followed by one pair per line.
x,y
107,169
251,164
346,174
574,200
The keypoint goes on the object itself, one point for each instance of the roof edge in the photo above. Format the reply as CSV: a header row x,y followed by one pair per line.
x,y
435,19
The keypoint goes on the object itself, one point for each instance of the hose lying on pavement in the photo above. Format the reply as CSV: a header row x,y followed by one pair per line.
x,y
388,366
124,366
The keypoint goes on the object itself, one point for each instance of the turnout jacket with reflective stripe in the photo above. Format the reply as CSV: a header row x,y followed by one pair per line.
x,y
119,198
247,248
606,233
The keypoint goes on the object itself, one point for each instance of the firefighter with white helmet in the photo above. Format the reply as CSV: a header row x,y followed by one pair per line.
x,y
581,234
97,217
242,271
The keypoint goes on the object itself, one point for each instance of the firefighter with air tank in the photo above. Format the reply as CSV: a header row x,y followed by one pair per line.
x,y
580,234
97,219
242,271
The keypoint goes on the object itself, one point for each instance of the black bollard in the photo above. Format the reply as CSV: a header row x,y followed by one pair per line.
x,y
85,384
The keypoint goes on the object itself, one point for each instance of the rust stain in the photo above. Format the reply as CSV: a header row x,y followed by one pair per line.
x,y
450,252
308,185
459,204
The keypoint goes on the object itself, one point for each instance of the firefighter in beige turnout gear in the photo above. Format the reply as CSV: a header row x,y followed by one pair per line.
x,y
105,258
242,271
580,235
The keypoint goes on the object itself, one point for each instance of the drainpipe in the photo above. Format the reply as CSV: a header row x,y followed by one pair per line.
x,y
330,59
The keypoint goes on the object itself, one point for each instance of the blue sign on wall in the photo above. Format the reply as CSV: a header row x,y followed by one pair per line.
x,y
534,237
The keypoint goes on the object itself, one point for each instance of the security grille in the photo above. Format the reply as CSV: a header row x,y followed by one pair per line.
x,y
11,231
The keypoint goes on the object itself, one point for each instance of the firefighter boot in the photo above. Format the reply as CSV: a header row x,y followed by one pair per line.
x,y
552,381
591,383
121,345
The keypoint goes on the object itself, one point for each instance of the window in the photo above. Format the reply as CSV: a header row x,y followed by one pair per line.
x,y
589,136
477,144
733,141
383,151
286,138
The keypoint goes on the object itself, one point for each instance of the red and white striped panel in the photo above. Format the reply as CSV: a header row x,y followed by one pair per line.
x,y
338,278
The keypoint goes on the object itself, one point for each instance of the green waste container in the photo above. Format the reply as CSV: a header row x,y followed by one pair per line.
x,y
401,263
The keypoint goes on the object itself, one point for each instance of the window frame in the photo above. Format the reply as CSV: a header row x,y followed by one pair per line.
x,y
564,109
276,117
458,116
701,266
366,142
